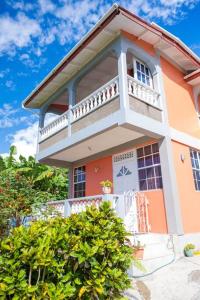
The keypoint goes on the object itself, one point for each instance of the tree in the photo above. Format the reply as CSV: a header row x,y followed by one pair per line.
x,y
84,256
26,185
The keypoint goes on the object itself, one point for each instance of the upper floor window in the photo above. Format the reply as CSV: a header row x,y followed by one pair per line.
x,y
142,73
149,168
79,182
195,159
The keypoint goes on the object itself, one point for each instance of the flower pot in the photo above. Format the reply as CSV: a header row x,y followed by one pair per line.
x,y
188,253
106,189
138,252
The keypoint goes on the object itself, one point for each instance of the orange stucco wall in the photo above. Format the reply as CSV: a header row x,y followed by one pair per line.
x,y
157,216
189,197
101,169
180,100
198,102
96,171
142,44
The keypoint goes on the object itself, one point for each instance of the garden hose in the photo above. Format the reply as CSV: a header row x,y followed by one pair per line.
x,y
162,266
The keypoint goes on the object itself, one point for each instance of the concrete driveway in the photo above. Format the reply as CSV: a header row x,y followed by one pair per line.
x,y
177,281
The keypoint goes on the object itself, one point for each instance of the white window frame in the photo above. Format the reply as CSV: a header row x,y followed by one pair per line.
x,y
78,181
145,168
135,60
195,169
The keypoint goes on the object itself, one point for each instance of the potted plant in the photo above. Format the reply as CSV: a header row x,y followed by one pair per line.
x,y
188,250
106,186
138,250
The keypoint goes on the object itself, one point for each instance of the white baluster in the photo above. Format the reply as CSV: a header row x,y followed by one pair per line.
x,y
130,86
117,87
99,98
108,92
135,89
91,103
112,90
88,105
81,110
104,95
95,101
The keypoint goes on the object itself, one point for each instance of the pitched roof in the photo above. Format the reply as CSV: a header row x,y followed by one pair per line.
x,y
106,30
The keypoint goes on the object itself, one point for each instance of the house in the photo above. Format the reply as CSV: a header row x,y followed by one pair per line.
x,y
127,103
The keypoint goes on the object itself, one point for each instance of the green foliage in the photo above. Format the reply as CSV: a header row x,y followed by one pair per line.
x,y
25,185
85,256
106,183
189,247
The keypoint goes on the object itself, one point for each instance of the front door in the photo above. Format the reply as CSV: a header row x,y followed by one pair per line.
x,y
125,176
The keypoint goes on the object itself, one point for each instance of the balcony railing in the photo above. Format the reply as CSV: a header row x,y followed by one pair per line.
x,y
143,92
55,126
97,99
132,207
101,96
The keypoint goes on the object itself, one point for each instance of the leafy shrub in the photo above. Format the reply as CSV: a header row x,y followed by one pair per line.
x,y
84,256
189,247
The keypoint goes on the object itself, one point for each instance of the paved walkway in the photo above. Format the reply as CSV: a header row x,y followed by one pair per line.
x,y
178,281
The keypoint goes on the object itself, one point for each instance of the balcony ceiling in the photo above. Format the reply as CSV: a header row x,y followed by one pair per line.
x,y
105,31
101,142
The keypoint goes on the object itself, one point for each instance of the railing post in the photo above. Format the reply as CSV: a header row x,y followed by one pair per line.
x,y
70,182
120,207
72,100
67,209
123,83
109,197
40,126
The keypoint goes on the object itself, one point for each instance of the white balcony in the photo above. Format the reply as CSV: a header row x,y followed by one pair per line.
x,y
143,92
99,98
132,207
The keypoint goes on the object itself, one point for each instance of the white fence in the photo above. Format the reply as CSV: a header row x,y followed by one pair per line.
x,y
132,207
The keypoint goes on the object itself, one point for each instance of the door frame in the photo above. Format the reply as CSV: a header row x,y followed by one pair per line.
x,y
127,155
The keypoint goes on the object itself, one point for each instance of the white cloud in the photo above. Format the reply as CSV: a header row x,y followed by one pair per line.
x,y
3,73
17,32
46,6
26,140
10,84
9,117
33,63
4,154
21,5
67,21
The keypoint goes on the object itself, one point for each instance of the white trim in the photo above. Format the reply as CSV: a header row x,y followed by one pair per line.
x,y
184,138
135,60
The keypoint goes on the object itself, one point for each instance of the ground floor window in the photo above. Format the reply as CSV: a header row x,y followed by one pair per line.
x,y
149,168
195,159
79,182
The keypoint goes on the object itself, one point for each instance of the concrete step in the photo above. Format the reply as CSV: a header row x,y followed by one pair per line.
x,y
151,265
155,245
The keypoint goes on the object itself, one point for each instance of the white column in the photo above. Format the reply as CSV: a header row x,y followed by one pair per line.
x,y
72,100
123,82
40,126
70,183
170,188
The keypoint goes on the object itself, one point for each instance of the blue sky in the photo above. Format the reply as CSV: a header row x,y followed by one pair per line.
x,y
35,35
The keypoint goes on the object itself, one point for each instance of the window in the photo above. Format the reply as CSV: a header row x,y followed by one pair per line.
x,y
79,182
142,73
149,168
195,159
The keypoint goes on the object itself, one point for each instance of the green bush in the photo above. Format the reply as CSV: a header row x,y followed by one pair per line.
x,y
84,256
